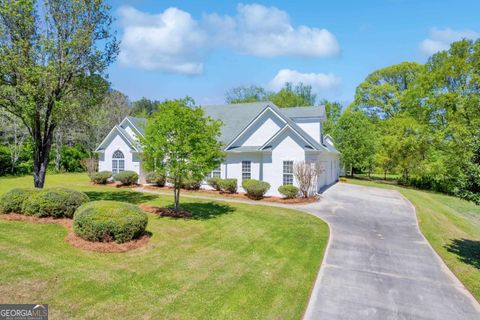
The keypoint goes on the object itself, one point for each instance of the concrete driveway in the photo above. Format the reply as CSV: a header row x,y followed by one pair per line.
x,y
378,265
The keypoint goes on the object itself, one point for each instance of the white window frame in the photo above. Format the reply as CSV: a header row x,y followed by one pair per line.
x,y
118,162
287,172
246,170
216,173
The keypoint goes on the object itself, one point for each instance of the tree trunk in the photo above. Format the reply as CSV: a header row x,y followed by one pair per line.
x,y
41,152
176,198
351,171
384,175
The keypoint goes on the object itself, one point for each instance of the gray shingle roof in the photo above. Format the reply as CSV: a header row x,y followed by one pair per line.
x,y
139,123
300,112
236,117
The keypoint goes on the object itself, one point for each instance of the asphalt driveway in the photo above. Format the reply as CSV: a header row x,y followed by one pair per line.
x,y
378,265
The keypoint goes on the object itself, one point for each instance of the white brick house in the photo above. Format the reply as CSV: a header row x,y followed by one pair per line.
x,y
261,141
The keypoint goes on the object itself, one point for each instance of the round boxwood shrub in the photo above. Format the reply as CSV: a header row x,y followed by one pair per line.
x,y
229,185
126,177
255,189
101,177
288,191
109,221
191,184
214,183
156,179
55,202
12,201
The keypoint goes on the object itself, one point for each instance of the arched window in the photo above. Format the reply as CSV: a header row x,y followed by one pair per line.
x,y
118,162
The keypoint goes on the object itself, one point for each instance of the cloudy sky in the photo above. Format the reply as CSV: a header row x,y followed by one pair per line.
x,y
170,49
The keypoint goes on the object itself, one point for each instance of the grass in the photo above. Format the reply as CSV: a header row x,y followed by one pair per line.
x,y
451,225
232,261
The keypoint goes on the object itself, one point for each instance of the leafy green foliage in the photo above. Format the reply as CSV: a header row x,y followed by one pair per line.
x,y
107,221
355,137
255,189
12,201
55,202
289,96
156,179
102,177
288,191
333,111
191,184
126,177
55,54
181,143
228,185
144,107
214,183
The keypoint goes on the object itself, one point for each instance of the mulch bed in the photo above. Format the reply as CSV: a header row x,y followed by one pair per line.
x,y
115,184
165,212
78,242
240,196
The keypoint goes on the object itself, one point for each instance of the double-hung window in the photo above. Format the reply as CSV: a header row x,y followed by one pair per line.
x,y
118,162
287,172
246,170
217,172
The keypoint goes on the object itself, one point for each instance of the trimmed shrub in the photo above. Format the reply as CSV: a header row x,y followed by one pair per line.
x,y
101,177
214,183
126,177
343,179
255,189
288,191
156,179
12,201
107,221
191,184
55,202
228,185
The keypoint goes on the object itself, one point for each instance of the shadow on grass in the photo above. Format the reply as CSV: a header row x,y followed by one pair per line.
x,y
467,250
125,196
206,210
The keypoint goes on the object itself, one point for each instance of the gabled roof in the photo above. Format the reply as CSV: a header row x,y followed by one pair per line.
x,y
329,143
124,134
137,123
305,112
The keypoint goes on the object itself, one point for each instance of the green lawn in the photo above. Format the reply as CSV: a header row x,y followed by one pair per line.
x,y
232,261
451,225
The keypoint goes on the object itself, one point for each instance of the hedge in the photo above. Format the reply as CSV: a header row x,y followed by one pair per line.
x,y
288,191
156,179
101,177
126,177
229,185
109,221
191,184
55,202
255,189
12,201
214,183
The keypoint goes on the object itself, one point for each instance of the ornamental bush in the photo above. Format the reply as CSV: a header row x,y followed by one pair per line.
x,y
214,183
228,185
288,191
126,177
255,189
156,179
101,177
12,201
55,202
107,221
191,184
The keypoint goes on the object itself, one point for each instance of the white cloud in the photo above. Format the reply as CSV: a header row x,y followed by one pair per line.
x,y
318,81
440,39
170,41
173,41
267,32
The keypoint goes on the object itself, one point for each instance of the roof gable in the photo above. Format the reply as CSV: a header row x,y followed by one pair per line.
x,y
118,131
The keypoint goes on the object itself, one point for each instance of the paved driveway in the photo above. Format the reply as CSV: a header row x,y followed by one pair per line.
x,y
378,265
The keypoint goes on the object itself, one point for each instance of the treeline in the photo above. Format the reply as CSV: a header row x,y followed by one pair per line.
x,y
421,122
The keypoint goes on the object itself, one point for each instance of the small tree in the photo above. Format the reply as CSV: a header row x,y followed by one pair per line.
x,y
306,174
181,143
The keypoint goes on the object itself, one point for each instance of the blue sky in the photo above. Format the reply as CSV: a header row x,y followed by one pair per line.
x,y
171,49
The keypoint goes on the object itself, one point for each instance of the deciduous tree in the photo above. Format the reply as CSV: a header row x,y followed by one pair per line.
x,y
181,144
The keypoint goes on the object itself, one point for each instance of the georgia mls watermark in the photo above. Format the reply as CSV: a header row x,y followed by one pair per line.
x,y
23,311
